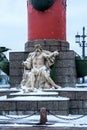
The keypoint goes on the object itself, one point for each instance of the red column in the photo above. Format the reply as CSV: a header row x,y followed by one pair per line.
x,y
49,24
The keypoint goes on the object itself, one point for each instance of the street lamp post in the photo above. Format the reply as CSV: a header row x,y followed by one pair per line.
x,y
82,44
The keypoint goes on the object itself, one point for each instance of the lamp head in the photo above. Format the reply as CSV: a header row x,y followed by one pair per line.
x,y
77,38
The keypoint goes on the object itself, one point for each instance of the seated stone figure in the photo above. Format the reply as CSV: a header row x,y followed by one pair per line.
x,y
37,70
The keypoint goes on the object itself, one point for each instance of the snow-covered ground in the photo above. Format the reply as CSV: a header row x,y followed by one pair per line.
x,y
53,121
3,86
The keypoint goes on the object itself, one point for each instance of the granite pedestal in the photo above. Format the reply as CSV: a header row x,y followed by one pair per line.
x,y
19,103
65,68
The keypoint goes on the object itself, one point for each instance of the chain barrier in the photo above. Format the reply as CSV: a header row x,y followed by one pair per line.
x,y
51,113
63,118
11,117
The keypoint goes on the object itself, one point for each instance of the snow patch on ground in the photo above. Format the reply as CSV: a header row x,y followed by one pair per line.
x,y
53,121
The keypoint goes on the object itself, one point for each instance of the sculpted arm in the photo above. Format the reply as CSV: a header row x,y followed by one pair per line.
x,y
48,54
28,62
55,53
50,57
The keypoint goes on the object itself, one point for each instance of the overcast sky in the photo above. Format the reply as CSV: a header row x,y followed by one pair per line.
x,y
13,23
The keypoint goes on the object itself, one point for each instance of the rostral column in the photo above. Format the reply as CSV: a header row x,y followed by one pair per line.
x,y
46,19
47,26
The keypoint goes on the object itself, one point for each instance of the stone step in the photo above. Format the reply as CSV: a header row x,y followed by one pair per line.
x,y
7,91
77,96
28,104
36,93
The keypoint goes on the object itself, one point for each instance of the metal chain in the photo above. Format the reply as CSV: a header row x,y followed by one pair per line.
x,y
75,118
59,117
11,117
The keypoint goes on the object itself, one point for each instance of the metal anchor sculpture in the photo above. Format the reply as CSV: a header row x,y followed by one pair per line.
x,y
4,63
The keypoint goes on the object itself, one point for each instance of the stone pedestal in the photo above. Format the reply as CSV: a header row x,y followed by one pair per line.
x,y
48,44
65,69
16,67
19,103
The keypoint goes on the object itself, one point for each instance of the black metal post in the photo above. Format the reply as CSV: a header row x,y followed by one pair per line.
x,y
83,49
83,46
83,36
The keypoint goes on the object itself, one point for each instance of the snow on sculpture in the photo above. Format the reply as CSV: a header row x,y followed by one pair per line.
x,y
37,70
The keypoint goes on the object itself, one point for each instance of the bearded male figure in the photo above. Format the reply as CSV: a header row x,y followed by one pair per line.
x,y
37,69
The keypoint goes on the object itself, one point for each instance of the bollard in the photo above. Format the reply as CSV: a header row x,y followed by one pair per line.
x,y
43,115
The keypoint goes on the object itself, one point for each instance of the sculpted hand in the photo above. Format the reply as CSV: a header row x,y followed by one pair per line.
x,y
56,53
24,62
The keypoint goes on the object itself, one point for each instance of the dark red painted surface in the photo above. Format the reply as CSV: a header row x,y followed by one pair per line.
x,y
50,24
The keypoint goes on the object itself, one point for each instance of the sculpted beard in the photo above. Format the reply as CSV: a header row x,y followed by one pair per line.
x,y
38,51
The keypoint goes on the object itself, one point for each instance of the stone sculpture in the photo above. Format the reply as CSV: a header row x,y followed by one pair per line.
x,y
4,62
37,70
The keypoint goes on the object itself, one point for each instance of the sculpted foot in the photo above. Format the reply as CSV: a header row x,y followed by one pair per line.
x,y
31,89
57,86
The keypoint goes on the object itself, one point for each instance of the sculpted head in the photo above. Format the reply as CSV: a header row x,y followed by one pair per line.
x,y
38,48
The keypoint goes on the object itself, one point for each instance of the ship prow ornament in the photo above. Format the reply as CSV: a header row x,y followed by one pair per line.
x,y
42,5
